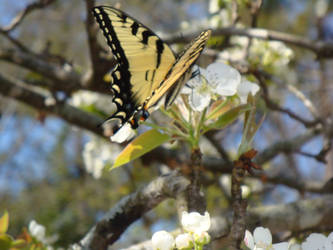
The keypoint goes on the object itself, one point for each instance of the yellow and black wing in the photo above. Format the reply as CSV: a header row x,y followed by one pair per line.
x,y
143,60
180,72
146,67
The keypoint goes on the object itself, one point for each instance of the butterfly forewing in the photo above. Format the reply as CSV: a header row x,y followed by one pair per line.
x,y
143,59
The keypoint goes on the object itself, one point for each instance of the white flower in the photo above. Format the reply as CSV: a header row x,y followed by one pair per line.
x,y
295,247
37,230
162,240
84,98
249,240
217,79
125,133
236,52
281,246
201,237
195,222
321,7
262,239
219,16
315,241
246,87
97,153
329,242
273,54
184,241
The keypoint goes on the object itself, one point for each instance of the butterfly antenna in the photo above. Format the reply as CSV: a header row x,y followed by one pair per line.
x,y
195,73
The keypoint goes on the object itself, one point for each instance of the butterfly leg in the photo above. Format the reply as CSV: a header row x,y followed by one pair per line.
x,y
140,115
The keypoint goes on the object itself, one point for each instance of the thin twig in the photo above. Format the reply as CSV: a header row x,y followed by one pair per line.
x,y
320,48
238,206
274,106
195,198
15,42
306,101
69,113
19,18
255,8
100,62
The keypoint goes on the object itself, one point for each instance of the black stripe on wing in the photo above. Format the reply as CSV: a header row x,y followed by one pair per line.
x,y
106,26
126,107
121,77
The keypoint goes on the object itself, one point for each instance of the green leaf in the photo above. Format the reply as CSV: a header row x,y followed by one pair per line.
x,y
229,117
4,220
5,242
250,126
218,108
141,145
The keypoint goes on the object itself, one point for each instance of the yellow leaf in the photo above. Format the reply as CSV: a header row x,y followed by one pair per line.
x,y
142,144
4,220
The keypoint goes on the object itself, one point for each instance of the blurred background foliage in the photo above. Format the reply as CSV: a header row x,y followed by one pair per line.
x,y
42,173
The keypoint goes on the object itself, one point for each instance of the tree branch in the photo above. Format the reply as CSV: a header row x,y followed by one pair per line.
x,y
215,165
131,208
69,113
101,60
67,79
299,216
19,18
274,106
320,48
64,76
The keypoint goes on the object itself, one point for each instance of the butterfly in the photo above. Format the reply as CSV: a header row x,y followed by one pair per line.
x,y
146,69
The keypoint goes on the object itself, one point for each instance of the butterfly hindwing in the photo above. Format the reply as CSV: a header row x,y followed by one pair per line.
x,y
180,72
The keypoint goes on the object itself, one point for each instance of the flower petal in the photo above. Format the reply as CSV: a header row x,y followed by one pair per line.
x,y
295,247
314,241
281,246
225,78
246,87
329,242
37,230
201,237
249,240
199,101
262,235
184,241
162,240
195,222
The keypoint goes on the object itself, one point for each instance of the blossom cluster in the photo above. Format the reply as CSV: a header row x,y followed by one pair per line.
x,y
262,239
39,232
93,101
273,56
195,234
97,153
217,81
